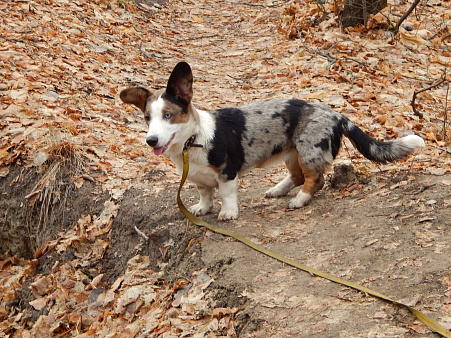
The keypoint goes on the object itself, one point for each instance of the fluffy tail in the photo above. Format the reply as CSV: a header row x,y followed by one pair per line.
x,y
378,151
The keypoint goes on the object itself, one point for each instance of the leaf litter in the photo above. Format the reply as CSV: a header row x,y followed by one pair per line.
x,y
63,64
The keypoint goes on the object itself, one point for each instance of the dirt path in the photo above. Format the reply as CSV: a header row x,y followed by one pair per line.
x,y
389,234
106,249
394,241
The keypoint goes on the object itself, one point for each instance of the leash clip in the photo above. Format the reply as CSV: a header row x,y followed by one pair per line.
x,y
190,143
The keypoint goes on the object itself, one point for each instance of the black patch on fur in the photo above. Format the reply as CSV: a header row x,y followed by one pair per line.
x,y
332,142
323,144
335,140
277,149
291,115
227,150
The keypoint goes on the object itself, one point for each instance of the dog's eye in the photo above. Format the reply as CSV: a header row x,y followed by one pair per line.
x,y
147,118
167,116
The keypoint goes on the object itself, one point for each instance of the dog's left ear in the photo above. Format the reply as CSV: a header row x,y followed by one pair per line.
x,y
135,95
180,83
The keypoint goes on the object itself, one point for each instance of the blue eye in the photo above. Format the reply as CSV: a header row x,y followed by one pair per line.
x,y
167,116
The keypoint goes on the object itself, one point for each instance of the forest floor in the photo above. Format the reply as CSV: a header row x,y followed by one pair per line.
x,y
91,240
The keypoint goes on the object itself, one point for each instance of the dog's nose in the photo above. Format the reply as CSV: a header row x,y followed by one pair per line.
x,y
152,140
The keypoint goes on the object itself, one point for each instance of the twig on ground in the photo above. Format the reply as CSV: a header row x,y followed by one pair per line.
x,y
283,3
438,32
333,59
423,188
320,5
446,37
147,55
27,42
415,110
445,117
243,78
405,15
142,234
199,37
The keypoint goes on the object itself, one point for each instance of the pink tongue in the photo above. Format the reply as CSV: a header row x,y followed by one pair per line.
x,y
158,151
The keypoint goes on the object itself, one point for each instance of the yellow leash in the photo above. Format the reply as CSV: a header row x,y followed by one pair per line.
x,y
428,321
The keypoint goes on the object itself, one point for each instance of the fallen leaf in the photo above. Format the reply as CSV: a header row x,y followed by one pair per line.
x,y
4,171
411,39
41,286
437,171
79,182
39,303
197,19
96,280
33,197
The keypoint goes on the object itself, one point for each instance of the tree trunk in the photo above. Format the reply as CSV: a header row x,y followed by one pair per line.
x,y
356,11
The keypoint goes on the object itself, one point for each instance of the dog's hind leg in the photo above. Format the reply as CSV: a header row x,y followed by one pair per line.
x,y
294,179
313,181
228,191
206,201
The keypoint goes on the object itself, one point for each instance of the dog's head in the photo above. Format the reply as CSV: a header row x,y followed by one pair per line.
x,y
168,111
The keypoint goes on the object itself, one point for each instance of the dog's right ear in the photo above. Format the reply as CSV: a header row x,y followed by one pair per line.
x,y
135,95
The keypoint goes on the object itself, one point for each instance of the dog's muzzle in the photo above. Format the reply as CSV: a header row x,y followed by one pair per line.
x,y
152,141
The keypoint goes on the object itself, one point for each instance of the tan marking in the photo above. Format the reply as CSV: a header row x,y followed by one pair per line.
x,y
214,168
313,181
178,116
275,159
292,164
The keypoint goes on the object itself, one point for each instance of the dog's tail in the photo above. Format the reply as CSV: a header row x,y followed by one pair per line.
x,y
378,151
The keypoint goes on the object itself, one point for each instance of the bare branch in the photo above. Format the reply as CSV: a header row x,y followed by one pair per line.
x,y
445,117
405,15
438,32
446,37
415,110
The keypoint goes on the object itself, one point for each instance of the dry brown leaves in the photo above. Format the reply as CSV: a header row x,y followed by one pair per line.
x,y
80,304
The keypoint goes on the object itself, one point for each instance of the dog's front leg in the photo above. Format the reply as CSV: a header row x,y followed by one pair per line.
x,y
206,201
228,191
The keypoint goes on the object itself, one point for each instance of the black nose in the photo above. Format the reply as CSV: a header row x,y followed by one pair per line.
x,y
152,140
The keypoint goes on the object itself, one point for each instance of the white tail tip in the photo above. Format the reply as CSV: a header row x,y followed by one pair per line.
x,y
413,141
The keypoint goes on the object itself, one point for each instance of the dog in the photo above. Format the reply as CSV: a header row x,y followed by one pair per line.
x,y
307,136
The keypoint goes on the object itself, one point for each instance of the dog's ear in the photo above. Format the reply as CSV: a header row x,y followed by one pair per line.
x,y
135,95
180,83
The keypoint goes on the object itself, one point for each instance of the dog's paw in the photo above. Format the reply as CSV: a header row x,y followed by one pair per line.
x,y
200,209
275,192
299,201
228,214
